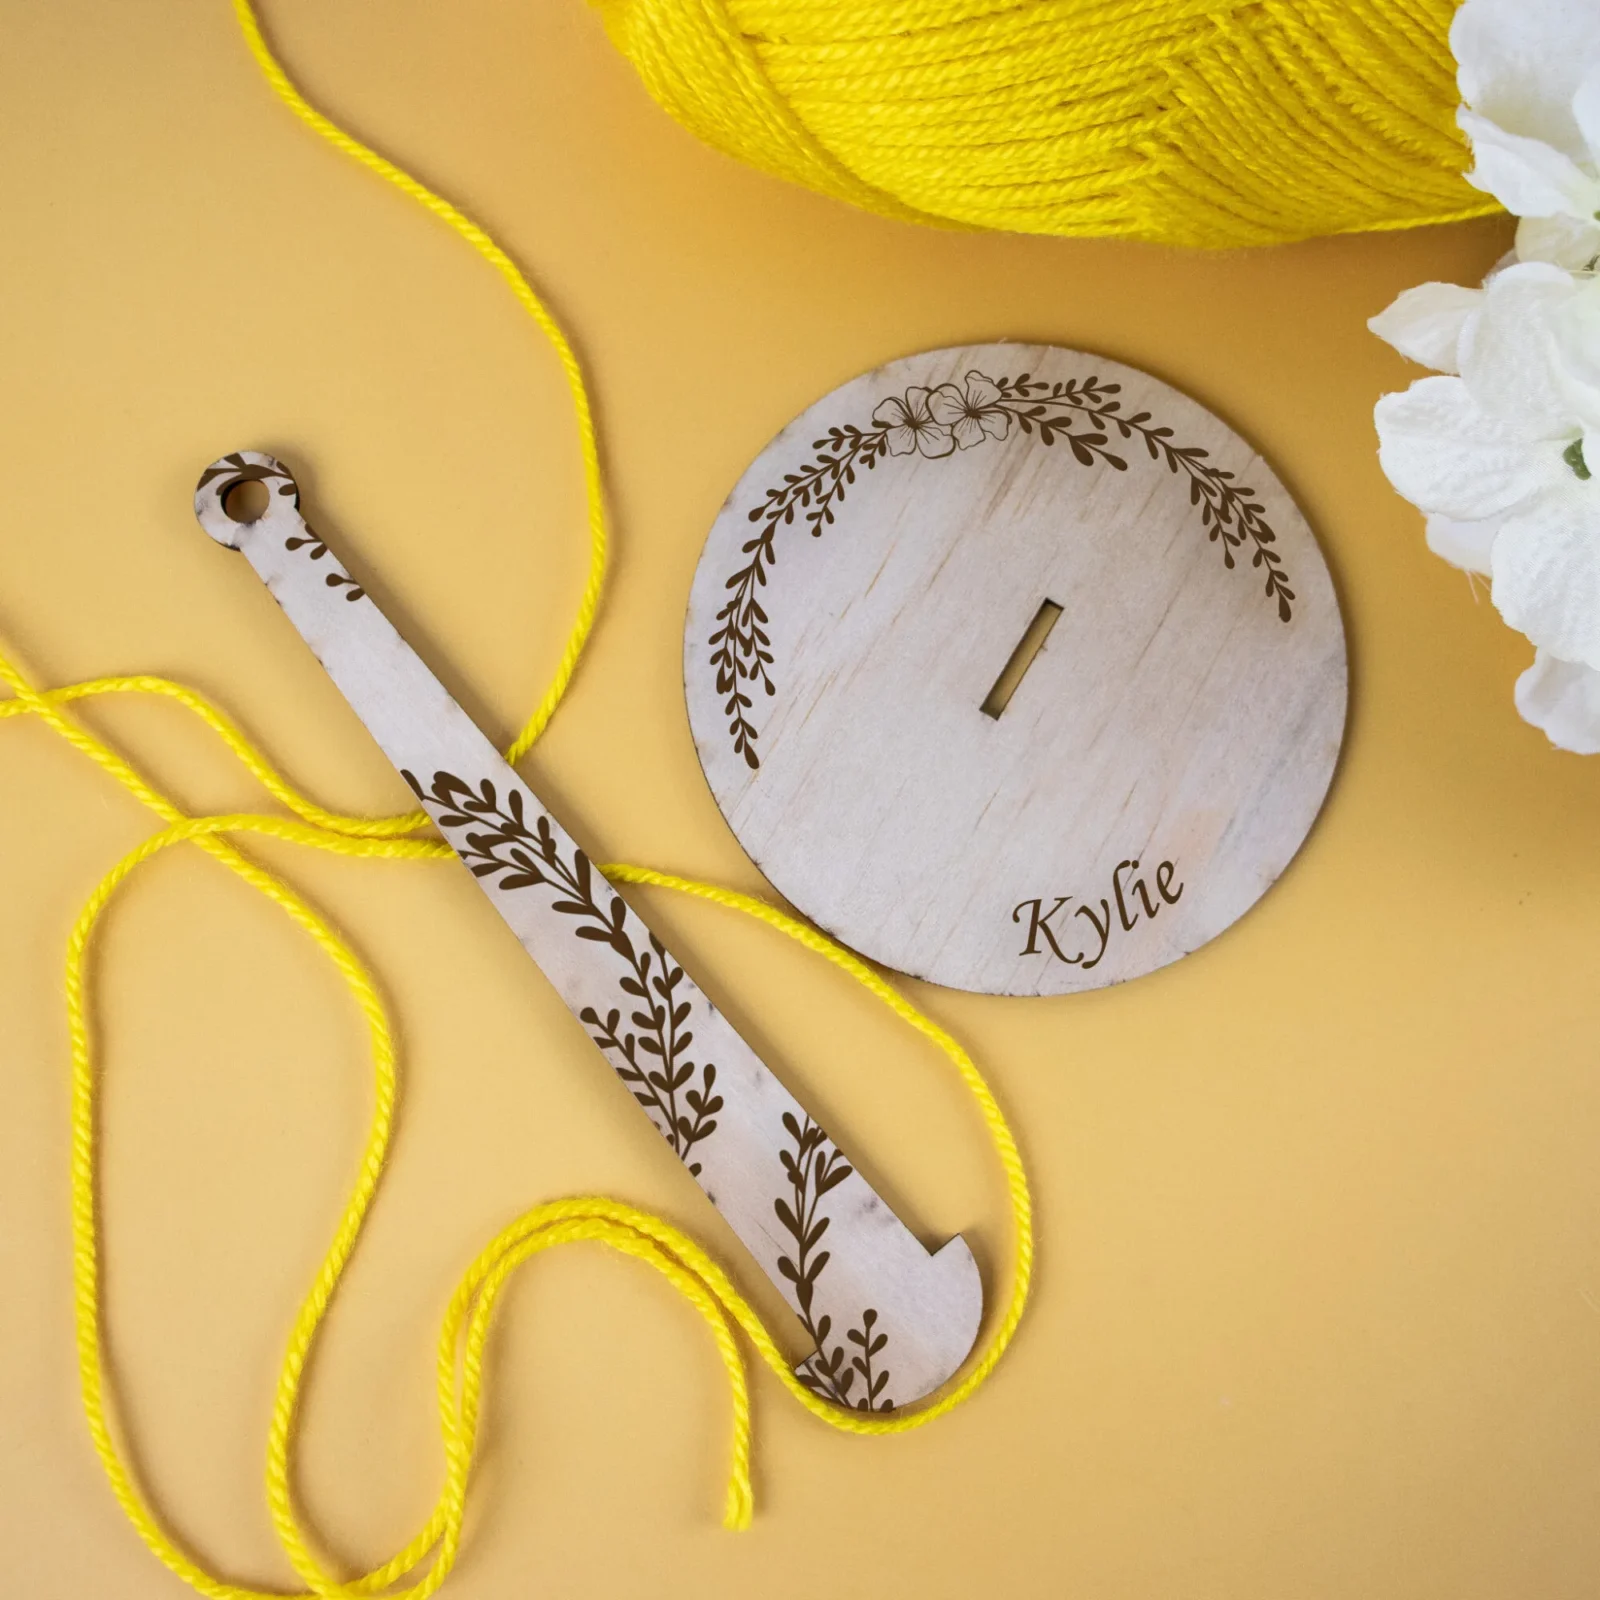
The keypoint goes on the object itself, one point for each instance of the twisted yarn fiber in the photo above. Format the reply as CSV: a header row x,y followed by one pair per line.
x,y
418,1569
1191,122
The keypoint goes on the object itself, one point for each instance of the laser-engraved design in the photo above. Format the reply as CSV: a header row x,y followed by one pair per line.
x,y
703,1088
503,848
1055,614
1133,901
814,1167
934,423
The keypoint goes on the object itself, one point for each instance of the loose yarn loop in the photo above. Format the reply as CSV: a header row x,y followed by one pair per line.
x,y
423,1564
1207,123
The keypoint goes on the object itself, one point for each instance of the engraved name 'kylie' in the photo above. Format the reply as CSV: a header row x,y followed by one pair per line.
x,y
1130,894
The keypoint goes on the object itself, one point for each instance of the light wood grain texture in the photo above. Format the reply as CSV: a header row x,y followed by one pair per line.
x,y
890,1321
1160,760
1319,1211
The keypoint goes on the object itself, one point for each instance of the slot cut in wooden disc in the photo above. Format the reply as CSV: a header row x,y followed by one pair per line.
x,y
1015,669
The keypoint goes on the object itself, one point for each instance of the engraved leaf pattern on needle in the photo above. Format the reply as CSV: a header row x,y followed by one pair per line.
x,y
814,1166
649,1047
314,547
238,471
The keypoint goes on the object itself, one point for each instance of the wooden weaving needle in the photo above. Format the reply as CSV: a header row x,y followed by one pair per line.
x,y
891,1321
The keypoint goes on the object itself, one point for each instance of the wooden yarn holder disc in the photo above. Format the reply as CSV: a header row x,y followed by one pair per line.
x,y
1015,669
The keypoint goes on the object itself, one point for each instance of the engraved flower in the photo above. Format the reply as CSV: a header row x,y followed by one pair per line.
x,y
971,412
911,426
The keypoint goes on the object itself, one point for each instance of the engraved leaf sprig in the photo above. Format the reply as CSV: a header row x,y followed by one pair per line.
x,y
315,548
814,1167
1229,511
936,423
741,648
237,470
649,1050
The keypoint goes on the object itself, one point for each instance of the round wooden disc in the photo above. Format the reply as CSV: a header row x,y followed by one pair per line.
x,y
1165,751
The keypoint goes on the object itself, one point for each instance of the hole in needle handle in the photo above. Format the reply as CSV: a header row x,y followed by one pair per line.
x,y
891,1321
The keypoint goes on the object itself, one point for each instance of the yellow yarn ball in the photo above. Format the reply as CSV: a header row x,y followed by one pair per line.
x,y
1191,122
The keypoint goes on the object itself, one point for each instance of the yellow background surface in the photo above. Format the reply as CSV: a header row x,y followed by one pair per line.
x,y
1318,1304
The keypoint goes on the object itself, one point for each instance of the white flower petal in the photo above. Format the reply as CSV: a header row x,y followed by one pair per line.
x,y
1509,259
1546,564
1425,323
1510,356
1447,457
1463,544
1586,113
1527,176
1577,334
1521,61
1562,698
1564,241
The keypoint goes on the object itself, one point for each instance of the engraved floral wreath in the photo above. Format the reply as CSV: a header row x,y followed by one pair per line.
x,y
936,422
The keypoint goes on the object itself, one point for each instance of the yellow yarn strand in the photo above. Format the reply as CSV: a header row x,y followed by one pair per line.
x,y
530,302
418,1569
624,1228
1211,123
249,757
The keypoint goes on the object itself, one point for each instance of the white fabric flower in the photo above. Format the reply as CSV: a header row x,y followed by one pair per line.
x,y
1529,75
1497,454
1425,323
1564,700
1502,452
